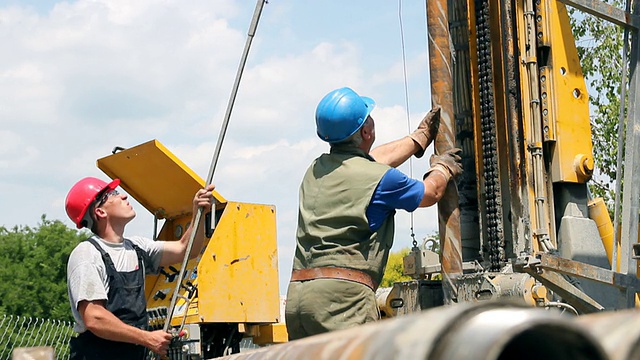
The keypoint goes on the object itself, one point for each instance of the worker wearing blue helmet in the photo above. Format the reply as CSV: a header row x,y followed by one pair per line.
x,y
348,199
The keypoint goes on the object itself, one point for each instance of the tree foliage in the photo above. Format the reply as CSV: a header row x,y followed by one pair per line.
x,y
600,46
394,271
33,268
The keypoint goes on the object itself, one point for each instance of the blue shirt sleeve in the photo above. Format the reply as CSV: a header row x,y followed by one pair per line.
x,y
394,191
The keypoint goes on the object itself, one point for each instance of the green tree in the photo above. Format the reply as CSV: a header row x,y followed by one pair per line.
x,y
600,45
393,272
33,268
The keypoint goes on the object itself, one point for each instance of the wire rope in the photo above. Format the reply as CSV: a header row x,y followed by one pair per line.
x,y
406,99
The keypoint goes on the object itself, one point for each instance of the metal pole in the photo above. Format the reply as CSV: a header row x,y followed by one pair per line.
x,y
216,155
621,122
631,195
440,66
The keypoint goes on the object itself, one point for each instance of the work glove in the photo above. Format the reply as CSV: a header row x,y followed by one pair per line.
x,y
426,131
449,163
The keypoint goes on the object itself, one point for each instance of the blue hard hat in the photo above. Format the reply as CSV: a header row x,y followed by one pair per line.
x,y
341,113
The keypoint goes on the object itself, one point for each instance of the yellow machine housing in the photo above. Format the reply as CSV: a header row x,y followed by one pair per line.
x,y
564,100
234,278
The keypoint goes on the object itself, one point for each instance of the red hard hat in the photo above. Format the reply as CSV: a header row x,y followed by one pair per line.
x,y
82,194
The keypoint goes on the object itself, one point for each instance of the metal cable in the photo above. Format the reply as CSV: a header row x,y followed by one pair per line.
x,y
406,99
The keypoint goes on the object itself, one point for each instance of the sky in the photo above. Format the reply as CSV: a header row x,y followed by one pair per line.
x,y
78,78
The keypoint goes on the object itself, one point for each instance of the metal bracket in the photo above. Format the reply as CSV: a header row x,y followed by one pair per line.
x,y
549,270
536,267
590,272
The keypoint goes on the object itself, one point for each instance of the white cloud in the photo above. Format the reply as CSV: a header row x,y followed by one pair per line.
x,y
82,77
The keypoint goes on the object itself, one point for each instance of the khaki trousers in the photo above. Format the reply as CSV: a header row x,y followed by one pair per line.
x,y
323,305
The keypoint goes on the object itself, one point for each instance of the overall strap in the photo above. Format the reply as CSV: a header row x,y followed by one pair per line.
x,y
105,257
143,258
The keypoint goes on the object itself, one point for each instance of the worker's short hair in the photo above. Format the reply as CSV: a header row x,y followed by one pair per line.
x,y
356,139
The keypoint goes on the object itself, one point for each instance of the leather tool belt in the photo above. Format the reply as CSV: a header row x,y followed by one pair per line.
x,y
334,273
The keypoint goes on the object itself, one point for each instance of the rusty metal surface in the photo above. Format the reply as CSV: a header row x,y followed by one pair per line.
x,y
442,95
463,107
517,239
618,332
587,271
487,331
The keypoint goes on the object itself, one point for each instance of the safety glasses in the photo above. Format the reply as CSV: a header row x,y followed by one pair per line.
x,y
106,196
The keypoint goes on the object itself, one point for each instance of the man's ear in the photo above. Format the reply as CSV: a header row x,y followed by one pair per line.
x,y
364,131
99,213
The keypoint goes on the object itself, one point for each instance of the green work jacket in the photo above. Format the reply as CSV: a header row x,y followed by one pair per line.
x,y
333,229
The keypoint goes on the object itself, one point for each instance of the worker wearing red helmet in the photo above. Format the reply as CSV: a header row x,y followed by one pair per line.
x,y
105,273
348,199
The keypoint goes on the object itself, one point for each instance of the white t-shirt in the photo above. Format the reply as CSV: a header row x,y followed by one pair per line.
x,y
87,275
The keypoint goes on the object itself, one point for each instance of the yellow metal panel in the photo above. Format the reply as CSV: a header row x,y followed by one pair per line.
x,y
156,178
238,272
564,98
271,334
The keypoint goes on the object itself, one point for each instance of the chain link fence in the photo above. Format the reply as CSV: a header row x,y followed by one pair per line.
x,y
22,331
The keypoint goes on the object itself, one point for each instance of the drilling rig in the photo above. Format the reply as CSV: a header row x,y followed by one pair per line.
x,y
521,222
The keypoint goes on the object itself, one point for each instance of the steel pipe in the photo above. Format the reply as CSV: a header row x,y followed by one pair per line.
x,y
484,331
618,332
